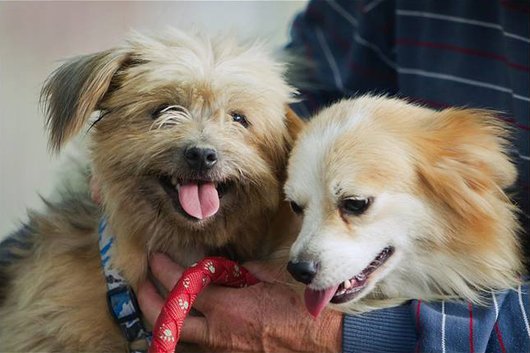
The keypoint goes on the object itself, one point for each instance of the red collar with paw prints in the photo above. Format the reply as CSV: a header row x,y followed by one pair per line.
x,y
178,304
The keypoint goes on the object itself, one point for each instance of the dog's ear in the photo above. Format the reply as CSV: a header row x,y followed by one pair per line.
x,y
295,124
74,90
465,159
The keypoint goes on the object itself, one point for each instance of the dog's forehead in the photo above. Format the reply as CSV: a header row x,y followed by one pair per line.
x,y
309,163
346,150
220,62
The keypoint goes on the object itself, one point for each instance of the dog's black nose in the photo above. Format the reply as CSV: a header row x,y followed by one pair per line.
x,y
200,158
303,271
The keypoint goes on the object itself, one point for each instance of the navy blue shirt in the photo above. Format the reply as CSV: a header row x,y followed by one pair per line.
x,y
472,53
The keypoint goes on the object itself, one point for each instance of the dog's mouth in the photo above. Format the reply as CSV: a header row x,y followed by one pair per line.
x,y
316,300
196,199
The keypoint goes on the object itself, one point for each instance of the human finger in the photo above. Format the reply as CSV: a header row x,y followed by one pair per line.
x,y
95,189
165,270
150,301
195,330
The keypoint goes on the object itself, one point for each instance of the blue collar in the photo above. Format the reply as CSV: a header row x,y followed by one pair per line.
x,y
121,300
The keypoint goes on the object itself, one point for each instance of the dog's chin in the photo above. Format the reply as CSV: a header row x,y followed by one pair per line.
x,y
362,283
171,186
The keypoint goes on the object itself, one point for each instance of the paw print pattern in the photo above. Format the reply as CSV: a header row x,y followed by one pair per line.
x,y
186,283
237,271
208,270
166,335
184,305
209,266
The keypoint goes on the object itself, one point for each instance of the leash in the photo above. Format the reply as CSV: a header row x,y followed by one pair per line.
x,y
178,304
123,305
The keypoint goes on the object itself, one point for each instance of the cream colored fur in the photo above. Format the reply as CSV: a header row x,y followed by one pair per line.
x,y
436,181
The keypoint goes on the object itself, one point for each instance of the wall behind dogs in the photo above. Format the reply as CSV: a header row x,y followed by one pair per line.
x,y
36,36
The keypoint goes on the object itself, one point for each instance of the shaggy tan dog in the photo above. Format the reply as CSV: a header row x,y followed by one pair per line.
x,y
190,148
402,202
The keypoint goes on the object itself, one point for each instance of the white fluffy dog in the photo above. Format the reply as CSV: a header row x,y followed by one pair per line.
x,y
400,202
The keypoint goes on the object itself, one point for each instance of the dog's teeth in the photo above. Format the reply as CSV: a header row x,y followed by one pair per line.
x,y
174,181
347,284
360,277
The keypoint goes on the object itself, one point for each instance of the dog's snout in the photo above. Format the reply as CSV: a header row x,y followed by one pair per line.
x,y
200,158
303,271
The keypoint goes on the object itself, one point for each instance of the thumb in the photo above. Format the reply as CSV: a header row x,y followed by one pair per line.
x,y
268,271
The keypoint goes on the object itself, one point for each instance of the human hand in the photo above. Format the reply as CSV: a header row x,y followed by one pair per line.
x,y
267,317
95,189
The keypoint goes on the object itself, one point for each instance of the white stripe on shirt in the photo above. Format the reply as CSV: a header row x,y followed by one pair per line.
x,y
495,305
443,326
348,17
376,49
331,60
369,7
343,13
441,76
525,318
461,20
522,156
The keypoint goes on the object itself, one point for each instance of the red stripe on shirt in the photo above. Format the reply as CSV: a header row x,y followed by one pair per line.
x,y
516,6
468,51
418,326
471,344
499,337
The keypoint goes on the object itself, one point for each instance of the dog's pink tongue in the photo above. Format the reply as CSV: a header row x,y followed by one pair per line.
x,y
199,200
316,300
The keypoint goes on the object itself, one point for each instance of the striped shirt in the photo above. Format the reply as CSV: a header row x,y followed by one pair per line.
x,y
472,53
445,327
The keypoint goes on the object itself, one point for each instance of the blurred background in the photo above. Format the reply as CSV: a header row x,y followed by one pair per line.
x,y
36,36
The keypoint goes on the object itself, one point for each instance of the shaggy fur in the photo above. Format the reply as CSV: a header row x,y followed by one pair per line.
x,y
55,298
434,182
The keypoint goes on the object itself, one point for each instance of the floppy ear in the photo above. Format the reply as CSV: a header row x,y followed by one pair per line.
x,y
74,90
295,124
465,160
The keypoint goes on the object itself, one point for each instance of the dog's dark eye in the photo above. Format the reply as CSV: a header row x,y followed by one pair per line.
x,y
355,206
164,109
296,208
239,118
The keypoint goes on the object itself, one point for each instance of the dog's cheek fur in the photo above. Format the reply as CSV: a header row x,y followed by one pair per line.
x,y
128,150
464,168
